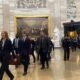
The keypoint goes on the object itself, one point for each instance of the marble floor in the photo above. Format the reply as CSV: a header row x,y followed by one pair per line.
x,y
59,70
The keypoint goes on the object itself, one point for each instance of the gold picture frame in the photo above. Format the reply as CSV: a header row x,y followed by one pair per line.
x,y
24,16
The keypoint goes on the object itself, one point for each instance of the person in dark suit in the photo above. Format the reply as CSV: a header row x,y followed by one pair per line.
x,y
32,47
25,51
37,49
5,49
66,44
51,46
73,45
43,44
17,46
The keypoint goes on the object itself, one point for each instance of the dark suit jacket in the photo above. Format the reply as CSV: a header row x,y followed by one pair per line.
x,y
32,42
25,46
66,44
43,44
51,46
5,50
19,45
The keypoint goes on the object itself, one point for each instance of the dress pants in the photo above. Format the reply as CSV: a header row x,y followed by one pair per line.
x,y
49,54
32,53
38,56
5,68
25,62
17,52
66,54
44,59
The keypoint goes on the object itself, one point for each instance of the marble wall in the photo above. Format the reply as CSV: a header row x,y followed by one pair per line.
x,y
56,9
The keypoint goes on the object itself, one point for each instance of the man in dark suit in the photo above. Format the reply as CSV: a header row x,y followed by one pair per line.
x,y
43,43
25,50
5,49
32,47
17,46
37,49
66,44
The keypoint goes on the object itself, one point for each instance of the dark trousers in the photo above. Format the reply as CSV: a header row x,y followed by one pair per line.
x,y
25,61
44,59
5,68
38,56
49,53
73,48
49,56
32,53
66,54
17,51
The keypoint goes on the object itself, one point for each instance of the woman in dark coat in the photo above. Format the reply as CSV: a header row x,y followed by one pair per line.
x,y
5,49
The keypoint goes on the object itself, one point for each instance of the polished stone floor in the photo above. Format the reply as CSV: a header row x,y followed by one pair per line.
x,y
59,70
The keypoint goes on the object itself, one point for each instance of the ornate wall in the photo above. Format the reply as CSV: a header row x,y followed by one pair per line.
x,y
59,10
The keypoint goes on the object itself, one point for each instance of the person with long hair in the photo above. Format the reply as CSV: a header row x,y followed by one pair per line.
x,y
5,50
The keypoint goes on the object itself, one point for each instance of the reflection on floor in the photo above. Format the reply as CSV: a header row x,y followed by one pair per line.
x,y
59,70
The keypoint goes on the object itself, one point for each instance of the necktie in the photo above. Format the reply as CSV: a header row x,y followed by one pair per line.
x,y
16,43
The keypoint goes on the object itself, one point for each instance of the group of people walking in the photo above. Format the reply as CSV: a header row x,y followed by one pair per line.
x,y
69,44
24,47
66,47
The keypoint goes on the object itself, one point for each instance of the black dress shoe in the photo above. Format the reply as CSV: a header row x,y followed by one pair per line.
x,y
42,68
34,61
67,59
64,59
25,73
16,66
12,78
47,67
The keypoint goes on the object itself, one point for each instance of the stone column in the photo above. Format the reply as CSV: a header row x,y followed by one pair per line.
x,y
57,23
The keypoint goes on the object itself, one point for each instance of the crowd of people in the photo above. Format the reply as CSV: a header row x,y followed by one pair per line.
x,y
70,44
24,47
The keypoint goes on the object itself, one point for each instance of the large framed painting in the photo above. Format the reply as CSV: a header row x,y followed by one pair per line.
x,y
32,25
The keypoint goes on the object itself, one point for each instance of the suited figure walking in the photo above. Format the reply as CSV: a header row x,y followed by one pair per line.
x,y
5,48
17,47
43,44
66,44
32,47
51,46
25,50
